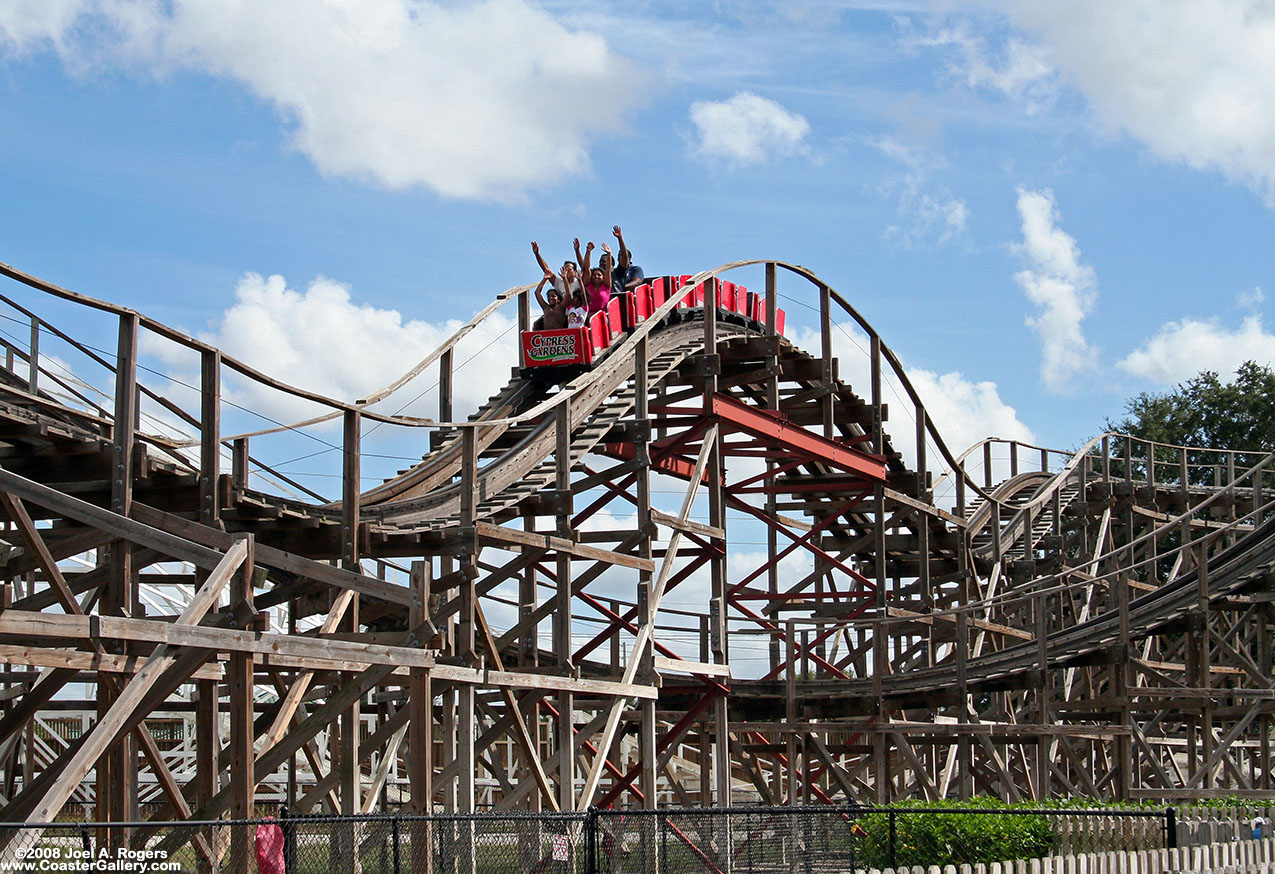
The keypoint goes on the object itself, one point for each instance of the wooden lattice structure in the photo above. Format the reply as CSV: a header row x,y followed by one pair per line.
x,y
1083,623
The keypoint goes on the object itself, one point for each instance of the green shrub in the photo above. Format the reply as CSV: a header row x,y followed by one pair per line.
x,y
950,838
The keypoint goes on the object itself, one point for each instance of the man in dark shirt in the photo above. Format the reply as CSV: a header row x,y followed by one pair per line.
x,y
626,275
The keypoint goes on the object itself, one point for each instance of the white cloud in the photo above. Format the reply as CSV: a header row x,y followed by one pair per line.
x,y
479,99
1250,300
1182,349
1060,284
965,412
31,23
929,213
1021,71
962,411
321,340
1194,80
746,130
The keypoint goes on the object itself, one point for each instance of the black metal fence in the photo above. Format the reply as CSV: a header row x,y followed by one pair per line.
x,y
742,840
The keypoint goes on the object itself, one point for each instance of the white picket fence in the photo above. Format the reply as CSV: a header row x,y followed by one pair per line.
x,y
1214,825
1232,857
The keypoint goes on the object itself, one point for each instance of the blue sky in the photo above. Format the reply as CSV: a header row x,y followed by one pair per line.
x,y
1043,208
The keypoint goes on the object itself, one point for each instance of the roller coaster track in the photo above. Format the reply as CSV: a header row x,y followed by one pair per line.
x,y
1092,622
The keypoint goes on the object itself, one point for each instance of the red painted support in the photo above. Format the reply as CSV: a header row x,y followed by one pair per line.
x,y
778,632
676,731
803,541
783,760
768,426
676,465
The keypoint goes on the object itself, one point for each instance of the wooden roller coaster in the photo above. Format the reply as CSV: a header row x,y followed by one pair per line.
x,y
558,607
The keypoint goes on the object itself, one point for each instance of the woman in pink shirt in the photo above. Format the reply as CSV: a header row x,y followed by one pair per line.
x,y
597,281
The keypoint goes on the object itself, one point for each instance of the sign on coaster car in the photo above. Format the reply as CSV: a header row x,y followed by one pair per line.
x,y
569,346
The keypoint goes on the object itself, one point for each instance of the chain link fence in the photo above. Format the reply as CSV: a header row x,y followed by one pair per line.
x,y
741,840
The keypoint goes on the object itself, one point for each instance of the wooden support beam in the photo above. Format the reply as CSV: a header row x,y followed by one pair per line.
x,y
420,713
296,692
522,734
499,534
272,557
126,708
645,631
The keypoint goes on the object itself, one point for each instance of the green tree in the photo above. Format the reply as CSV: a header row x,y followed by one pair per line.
x,y
1205,412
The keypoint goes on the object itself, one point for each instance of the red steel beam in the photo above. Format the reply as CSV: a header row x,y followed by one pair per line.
x,y
714,691
770,427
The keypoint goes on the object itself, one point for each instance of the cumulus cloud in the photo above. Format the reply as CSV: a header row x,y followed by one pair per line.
x,y
472,100
746,130
1184,348
963,411
1193,80
321,340
1060,284
966,411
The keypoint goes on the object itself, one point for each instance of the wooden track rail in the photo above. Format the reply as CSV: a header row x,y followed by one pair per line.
x,y
701,571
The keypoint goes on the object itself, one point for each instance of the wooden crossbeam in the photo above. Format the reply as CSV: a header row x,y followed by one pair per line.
x,y
981,624
96,517
127,705
43,657
272,557
500,534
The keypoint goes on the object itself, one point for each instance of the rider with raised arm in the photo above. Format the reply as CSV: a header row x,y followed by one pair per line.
x,y
597,280
554,317
566,279
628,275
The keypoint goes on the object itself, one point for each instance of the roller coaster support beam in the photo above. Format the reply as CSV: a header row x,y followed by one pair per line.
x,y
466,646
346,766
646,605
646,631
207,747
771,387
789,438
117,769
240,674
566,741
717,636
